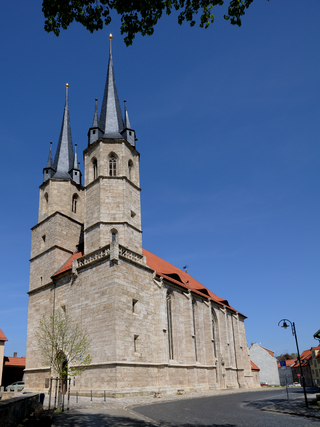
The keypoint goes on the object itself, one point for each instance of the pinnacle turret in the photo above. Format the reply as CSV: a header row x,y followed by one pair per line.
x,y
48,171
127,132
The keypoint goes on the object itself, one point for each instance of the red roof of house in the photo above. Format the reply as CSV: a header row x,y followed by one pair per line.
x,y
180,277
269,351
288,362
305,355
316,348
254,367
14,361
167,271
68,265
2,336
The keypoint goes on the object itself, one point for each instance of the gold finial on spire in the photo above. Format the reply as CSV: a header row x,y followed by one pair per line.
x,y
67,84
110,38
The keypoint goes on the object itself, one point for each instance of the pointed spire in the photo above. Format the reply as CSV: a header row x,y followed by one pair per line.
x,y
63,161
111,122
95,122
49,162
127,132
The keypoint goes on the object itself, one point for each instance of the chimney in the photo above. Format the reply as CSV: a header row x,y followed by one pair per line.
x,y
15,354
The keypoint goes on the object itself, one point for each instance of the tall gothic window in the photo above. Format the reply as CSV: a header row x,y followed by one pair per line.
x,y
95,168
112,166
194,328
213,333
169,321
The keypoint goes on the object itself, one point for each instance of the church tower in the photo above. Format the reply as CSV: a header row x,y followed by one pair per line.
x,y
112,211
59,230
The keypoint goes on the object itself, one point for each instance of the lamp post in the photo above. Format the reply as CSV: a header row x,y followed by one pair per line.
x,y
293,328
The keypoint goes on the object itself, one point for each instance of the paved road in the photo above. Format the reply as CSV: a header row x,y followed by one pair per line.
x,y
235,410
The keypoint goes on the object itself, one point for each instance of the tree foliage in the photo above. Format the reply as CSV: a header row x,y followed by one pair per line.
x,y
137,16
64,344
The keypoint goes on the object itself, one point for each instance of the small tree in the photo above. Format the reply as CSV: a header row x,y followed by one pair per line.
x,y
63,344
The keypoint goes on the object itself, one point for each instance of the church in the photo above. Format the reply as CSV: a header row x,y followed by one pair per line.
x,y
153,327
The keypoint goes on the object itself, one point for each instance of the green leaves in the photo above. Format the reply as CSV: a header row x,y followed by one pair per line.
x,y
63,344
137,16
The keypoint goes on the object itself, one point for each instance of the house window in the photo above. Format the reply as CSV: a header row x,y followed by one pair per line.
x,y
112,166
194,328
169,322
95,168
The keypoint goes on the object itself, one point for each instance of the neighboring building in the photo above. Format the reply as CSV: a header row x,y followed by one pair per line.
x,y
256,374
13,369
265,360
152,326
315,365
305,358
285,372
3,339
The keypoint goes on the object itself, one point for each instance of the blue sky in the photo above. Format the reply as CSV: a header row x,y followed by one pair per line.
x,y
227,121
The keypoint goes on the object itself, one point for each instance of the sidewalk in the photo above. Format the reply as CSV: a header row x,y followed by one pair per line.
x,y
296,407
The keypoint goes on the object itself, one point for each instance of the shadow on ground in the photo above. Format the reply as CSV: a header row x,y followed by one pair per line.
x,y
77,419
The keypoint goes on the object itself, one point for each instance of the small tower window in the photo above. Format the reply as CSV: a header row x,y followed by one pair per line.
x,y
75,199
114,234
135,343
95,168
130,166
134,305
112,166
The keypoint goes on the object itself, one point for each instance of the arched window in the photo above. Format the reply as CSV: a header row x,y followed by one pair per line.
x,y
75,199
130,167
194,337
169,322
213,333
112,165
114,235
95,168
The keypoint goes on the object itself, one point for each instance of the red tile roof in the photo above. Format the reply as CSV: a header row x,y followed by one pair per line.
x,y
167,271
254,367
68,265
316,348
176,275
269,351
304,357
2,336
14,361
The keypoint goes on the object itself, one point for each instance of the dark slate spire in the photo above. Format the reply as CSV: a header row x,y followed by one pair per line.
x,y
63,161
111,122
48,171
94,132
128,133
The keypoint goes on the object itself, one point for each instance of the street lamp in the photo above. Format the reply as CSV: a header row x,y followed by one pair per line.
x,y
293,328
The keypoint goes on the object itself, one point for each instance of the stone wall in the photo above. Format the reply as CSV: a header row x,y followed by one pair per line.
x,y
15,409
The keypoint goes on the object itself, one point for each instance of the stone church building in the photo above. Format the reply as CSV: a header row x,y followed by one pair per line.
x,y
153,327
